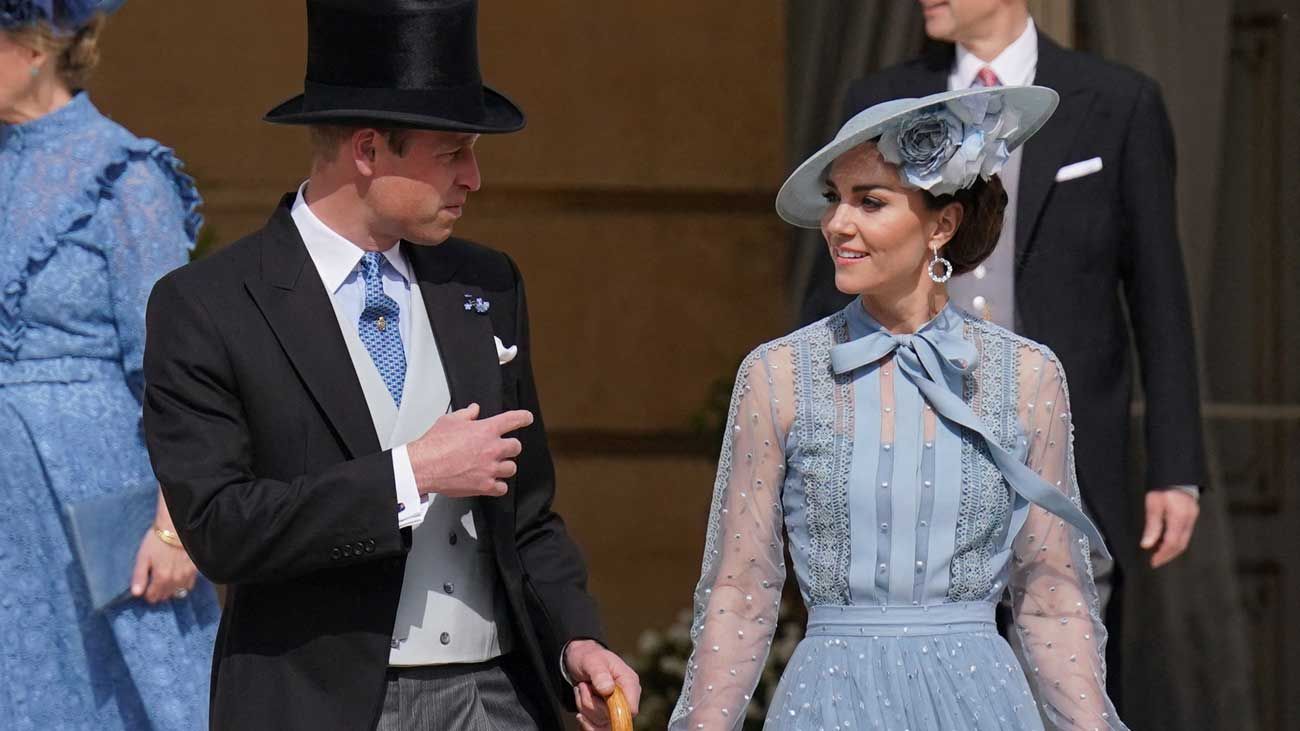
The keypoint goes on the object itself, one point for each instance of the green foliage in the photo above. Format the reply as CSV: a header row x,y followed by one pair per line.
x,y
709,422
661,663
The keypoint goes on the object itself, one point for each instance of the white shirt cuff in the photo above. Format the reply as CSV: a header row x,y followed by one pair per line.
x,y
1193,490
564,657
410,504
564,666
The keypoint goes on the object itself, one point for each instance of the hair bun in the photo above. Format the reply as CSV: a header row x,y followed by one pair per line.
x,y
983,205
79,59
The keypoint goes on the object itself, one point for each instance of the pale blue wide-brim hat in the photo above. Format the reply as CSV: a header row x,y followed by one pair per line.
x,y
941,143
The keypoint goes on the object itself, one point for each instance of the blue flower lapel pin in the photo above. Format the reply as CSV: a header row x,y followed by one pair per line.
x,y
477,304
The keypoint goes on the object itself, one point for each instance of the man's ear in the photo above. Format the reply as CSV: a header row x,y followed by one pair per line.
x,y
363,149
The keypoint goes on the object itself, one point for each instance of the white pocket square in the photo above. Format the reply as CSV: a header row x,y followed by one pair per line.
x,y
504,354
1078,169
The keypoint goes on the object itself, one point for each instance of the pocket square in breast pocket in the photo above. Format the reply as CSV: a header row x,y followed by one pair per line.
x,y
1078,169
504,354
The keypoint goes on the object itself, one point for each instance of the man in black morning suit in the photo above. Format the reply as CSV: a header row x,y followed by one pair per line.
x,y
1093,251
341,410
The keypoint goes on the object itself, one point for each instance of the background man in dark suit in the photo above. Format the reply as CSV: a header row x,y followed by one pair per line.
x,y
344,436
1089,248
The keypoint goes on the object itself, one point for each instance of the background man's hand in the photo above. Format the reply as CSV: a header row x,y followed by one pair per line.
x,y
595,672
1171,518
461,456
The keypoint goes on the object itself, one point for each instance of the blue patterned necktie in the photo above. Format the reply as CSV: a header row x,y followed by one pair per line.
x,y
378,328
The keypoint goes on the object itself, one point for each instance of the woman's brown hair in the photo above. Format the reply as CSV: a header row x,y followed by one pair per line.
x,y
981,223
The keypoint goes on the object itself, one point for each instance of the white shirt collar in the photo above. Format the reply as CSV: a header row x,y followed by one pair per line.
x,y
334,256
1015,66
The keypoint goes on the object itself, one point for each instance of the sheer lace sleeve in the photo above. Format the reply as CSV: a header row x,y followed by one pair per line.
x,y
1054,599
739,593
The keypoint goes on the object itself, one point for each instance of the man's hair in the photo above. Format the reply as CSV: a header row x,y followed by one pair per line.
x,y
326,138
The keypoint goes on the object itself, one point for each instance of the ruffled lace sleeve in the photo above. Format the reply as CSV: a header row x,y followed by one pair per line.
x,y
146,225
739,593
1054,599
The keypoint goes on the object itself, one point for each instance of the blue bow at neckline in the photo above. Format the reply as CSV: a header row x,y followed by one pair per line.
x,y
938,347
934,359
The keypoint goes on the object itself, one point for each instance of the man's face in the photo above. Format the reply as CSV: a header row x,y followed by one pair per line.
x,y
956,20
419,195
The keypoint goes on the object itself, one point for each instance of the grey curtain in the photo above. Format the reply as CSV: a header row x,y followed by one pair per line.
x,y
1187,664
831,43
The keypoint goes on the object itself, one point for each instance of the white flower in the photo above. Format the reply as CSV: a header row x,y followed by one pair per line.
x,y
649,642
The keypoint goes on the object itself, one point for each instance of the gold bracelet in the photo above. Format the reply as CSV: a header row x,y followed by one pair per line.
x,y
168,536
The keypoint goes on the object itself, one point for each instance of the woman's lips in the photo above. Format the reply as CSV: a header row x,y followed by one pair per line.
x,y
849,256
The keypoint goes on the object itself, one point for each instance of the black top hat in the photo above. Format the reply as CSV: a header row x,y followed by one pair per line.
x,y
407,63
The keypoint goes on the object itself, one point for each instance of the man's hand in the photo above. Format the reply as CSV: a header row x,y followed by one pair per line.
x,y
460,456
1171,517
595,672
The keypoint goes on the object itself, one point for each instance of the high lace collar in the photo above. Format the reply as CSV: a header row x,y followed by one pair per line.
x,y
869,341
51,128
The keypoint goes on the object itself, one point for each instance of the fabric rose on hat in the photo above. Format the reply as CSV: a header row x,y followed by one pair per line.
x,y
943,149
922,144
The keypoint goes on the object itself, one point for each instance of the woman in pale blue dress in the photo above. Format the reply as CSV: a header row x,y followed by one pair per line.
x,y
919,459
90,217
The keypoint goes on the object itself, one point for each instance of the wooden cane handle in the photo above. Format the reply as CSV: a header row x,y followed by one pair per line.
x,y
620,713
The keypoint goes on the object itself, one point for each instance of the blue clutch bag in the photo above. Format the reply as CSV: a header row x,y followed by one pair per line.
x,y
106,532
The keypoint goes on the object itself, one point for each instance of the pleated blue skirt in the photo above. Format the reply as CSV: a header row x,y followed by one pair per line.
x,y
935,668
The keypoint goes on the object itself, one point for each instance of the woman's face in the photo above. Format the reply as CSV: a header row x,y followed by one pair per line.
x,y
880,232
16,78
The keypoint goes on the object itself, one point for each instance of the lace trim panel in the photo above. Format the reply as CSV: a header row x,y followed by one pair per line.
x,y
825,456
991,389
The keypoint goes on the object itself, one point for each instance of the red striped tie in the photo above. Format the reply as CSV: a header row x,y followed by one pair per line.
x,y
986,77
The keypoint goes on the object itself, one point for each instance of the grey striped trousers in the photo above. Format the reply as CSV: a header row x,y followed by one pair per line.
x,y
477,697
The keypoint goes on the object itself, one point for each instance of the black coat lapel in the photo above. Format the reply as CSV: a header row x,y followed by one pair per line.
x,y
293,300
1049,149
930,76
469,355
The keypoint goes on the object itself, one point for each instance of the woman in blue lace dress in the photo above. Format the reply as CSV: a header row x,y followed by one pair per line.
x,y
90,217
919,458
